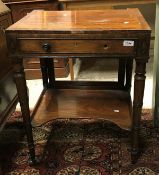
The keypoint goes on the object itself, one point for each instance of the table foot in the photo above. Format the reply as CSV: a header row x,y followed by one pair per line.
x,y
134,156
33,161
77,173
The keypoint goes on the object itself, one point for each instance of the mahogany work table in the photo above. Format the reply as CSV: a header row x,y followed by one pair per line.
x,y
122,34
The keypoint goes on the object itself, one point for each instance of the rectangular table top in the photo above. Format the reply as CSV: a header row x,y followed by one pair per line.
x,y
91,20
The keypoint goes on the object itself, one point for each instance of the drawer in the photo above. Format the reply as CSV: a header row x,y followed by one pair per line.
x,y
114,46
31,63
60,62
34,63
36,73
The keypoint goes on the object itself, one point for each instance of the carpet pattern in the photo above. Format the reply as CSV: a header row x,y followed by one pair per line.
x,y
78,147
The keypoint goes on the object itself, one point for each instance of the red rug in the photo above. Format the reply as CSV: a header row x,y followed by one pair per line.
x,y
78,147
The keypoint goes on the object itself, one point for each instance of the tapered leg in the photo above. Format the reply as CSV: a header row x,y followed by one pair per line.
x,y
43,65
139,85
24,103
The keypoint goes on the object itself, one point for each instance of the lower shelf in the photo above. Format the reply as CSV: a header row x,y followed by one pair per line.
x,y
114,106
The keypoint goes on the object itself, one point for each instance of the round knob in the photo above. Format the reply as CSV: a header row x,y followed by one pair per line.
x,y
46,47
105,47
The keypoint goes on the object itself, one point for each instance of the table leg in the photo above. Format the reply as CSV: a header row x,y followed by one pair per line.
x,y
129,66
50,71
139,84
20,81
71,68
121,72
43,65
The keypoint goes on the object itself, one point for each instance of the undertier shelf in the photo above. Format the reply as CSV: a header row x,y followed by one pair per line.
x,y
114,106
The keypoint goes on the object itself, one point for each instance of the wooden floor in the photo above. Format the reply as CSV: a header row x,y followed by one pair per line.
x,y
75,103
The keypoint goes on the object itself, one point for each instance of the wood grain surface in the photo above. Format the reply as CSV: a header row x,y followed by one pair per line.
x,y
128,19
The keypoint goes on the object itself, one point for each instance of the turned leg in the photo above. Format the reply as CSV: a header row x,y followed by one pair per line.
x,y
20,81
121,72
129,66
51,72
139,84
43,65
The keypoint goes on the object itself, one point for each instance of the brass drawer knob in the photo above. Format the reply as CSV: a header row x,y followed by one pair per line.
x,y
46,47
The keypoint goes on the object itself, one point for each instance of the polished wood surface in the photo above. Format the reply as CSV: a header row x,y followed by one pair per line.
x,y
121,34
62,21
58,104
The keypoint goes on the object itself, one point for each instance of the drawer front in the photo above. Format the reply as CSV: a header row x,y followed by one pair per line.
x,y
36,73
60,62
113,46
34,63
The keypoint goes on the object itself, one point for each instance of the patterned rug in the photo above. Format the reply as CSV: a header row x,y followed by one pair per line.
x,y
78,147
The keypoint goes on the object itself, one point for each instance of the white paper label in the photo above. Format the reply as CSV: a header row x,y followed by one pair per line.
x,y
128,43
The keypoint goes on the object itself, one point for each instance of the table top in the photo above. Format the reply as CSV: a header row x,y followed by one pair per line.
x,y
91,20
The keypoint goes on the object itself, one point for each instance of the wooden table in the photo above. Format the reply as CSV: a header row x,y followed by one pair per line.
x,y
121,34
